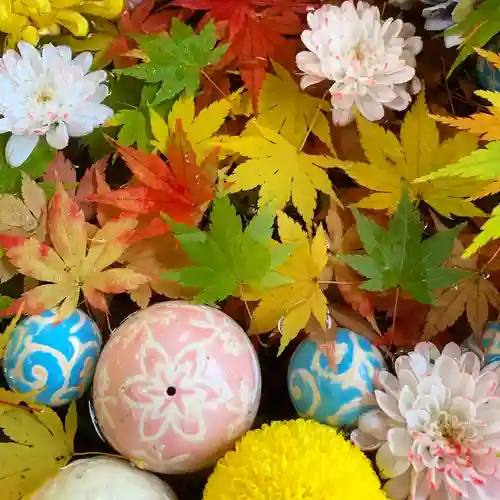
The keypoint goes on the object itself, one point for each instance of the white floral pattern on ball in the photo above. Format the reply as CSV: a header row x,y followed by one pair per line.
x,y
47,93
437,428
370,61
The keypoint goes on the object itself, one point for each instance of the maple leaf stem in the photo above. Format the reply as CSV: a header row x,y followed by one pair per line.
x,y
100,453
396,302
311,126
204,73
14,405
326,282
491,259
246,304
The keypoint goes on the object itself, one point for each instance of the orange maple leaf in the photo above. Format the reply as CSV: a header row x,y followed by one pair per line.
x,y
73,263
181,189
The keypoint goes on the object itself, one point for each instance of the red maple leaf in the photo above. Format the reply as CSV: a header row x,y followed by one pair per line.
x,y
141,21
181,189
257,31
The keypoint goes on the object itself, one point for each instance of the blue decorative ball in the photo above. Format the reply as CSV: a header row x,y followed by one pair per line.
x,y
489,347
57,359
487,75
334,397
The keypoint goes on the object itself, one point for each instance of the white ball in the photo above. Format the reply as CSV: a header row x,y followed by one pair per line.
x,y
104,478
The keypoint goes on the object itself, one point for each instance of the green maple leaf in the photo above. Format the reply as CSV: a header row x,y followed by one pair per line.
x,y
134,128
478,27
228,258
176,61
399,258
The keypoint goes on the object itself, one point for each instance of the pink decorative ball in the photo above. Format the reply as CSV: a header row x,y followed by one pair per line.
x,y
175,386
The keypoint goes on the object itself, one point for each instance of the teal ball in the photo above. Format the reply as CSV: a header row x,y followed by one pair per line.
x,y
55,358
488,349
334,397
487,75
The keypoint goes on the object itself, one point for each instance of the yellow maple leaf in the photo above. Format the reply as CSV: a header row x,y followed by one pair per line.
x,y
489,231
491,57
287,110
199,129
393,163
4,339
39,446
282,172
290,306
486,125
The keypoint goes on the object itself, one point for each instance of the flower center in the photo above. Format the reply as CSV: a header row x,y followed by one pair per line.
x,y
44,96
450,427
358,53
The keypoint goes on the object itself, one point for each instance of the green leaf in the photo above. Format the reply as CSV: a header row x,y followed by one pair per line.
x,y
35,166
39,160
176,62
227,257
135,129
5,302
482,164
124,92
399,258
477,28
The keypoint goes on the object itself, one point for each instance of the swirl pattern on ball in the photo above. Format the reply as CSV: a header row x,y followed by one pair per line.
x,y
176,384
54,357
334,397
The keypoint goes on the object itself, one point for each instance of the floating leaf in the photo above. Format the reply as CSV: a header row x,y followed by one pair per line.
x,y
227,258
176,60
289,306
398,258
282,172
39,446
68,266
393,164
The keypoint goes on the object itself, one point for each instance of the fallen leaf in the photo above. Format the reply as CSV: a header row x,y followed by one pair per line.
x,y
289,307
39,446
473,295
68,266
156,257
289,111
180,189
282,172
392,164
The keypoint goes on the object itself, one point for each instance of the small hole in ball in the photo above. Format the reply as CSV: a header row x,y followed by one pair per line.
x,y
171,391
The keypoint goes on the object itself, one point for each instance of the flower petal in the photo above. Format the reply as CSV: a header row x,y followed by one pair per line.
x,y
389,405
390,465
57,136
400,442
398,488
19,148
374,423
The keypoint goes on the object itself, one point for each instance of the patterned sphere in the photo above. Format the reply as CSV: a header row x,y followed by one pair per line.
x,y
488,76
489,347
334,397
56,358
104,478
175,386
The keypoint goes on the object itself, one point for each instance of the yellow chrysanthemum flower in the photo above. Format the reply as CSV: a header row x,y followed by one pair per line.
x,y
29,19
294,460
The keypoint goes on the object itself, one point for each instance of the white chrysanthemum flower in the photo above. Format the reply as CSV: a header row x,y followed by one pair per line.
x,y
437,428
371,62
49,94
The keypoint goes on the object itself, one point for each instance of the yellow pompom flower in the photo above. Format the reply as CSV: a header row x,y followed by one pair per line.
x,y
294,460
29,19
